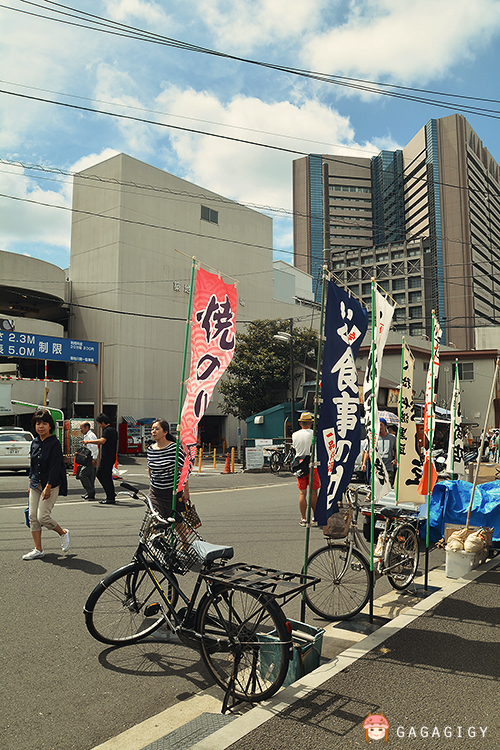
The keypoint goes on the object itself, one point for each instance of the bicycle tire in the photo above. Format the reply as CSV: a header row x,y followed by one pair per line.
x,y
291,457
114,612
342,592
276,462
244,634
402,547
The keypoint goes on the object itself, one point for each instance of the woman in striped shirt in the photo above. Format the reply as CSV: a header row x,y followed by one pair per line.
x,y
161,460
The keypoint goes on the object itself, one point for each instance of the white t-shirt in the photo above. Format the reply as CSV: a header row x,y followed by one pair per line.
x,y
93,448
301,441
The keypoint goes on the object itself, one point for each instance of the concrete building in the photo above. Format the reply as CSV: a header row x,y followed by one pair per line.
x,y
135,230
442,190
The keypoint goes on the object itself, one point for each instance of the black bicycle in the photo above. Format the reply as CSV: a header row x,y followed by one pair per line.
x,y
280,456
237,624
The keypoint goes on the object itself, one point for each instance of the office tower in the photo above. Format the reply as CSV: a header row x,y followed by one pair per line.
x,y
426,215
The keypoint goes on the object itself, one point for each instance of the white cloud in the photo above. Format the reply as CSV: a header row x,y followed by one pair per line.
x,y
407,40
125,10
249,173
246,24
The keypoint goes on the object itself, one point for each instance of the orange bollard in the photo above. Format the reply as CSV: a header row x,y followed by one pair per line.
x,y
227,468
232,460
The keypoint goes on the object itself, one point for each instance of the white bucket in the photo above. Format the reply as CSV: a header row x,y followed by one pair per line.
x,y
459,563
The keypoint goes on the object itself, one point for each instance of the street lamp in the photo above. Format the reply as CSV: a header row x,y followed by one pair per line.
x,y
288,337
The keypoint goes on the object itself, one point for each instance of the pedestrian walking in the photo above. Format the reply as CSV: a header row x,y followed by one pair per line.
x,y
86,474
161,464
47,480
108,442
301,441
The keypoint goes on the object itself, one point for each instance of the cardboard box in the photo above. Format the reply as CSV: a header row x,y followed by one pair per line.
x,y
450,528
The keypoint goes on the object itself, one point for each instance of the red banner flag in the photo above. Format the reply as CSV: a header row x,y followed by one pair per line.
x,y
213,338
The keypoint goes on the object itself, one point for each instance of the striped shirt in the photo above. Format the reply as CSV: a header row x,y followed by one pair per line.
x,y
161,466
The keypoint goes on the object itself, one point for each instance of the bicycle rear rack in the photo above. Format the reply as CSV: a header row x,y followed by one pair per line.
x,y
277,584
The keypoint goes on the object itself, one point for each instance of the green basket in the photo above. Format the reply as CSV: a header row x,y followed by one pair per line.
x,y
307,645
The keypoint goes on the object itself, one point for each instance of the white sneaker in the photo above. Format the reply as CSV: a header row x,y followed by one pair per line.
x,y
65,543
34,554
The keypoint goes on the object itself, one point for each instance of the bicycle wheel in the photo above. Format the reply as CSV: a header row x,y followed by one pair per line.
x,y
276,462
401,556
116,611
291,456
244,634
344,588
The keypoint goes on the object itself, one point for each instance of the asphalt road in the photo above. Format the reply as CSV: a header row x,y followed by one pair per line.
x,y
61,689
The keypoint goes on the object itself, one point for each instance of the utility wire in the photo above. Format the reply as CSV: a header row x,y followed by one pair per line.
x,y
118,29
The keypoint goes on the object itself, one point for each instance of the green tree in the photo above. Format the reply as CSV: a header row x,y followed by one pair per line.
x,y
259,374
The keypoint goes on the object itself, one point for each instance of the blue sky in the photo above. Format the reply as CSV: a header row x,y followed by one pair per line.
x,y
449,46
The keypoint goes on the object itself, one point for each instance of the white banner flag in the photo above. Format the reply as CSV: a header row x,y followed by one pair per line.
x,y
455,458
383,317
409,464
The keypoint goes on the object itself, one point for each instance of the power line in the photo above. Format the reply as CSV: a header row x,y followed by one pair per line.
x,y
115,28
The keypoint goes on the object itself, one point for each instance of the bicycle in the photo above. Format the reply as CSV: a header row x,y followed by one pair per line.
x,y
280,456
343,566
240,629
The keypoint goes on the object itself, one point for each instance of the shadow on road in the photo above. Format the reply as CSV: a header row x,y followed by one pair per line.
x,y
72,562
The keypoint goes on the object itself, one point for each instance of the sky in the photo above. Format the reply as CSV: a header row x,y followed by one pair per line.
x,y
446,46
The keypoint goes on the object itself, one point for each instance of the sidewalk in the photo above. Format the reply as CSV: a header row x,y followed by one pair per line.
x,y
432,670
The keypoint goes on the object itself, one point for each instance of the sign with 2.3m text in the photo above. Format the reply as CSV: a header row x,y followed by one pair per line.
x,y
34,346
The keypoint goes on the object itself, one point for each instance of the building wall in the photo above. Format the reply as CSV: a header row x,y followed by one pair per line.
x,y
451,199
139,262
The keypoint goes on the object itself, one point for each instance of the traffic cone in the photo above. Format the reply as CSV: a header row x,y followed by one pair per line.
x,y
227,467
75,467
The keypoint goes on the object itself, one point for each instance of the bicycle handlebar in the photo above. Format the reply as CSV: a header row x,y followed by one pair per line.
x,y
138,494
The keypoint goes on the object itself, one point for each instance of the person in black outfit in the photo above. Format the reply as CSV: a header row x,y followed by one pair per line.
x,y
47,482
108,442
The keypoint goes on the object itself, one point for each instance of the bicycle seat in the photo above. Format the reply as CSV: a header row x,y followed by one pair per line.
x,y
209,552
391,512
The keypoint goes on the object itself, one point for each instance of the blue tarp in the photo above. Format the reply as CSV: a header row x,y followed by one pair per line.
x,y
450,504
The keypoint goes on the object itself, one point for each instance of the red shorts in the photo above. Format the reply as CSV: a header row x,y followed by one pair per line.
x,y
303,482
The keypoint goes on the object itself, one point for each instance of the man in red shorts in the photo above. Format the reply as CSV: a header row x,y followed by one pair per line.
x,y
301,441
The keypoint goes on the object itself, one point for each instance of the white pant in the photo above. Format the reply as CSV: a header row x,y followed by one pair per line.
x,y
40,509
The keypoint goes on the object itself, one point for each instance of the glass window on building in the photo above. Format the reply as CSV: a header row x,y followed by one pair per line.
x,y
399,314
366,288
382,257
414,282
400,298
400,328
398,284
465,371
395,254
413,251
354,288
416,329
384,285
415,297
416,312
208,214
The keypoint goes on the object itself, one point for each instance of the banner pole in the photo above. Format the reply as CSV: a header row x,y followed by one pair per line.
x,y
456,386
371,453
313,442
399,415
429,467
183,378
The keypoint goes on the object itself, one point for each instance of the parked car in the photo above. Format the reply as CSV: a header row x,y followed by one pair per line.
x,y
15,446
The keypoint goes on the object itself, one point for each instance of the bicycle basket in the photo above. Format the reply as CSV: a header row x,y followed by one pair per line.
x,y
171,545
338,525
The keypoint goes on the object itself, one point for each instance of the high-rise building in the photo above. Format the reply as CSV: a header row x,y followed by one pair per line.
x,y
428,214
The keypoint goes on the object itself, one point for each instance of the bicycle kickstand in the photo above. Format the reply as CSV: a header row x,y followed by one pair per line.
x,y
230,692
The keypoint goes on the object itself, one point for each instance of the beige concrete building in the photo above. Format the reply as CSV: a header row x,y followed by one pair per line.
x,y
434,205
135,230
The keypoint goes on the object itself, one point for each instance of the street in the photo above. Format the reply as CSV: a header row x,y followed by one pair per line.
x,y
62,689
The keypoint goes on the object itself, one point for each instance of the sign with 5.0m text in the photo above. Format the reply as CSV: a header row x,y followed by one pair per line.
x,y
33,346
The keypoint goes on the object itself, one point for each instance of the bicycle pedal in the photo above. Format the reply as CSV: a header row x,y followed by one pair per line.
x,y
152,609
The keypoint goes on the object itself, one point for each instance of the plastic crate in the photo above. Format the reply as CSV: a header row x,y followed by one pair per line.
x,y
307,645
